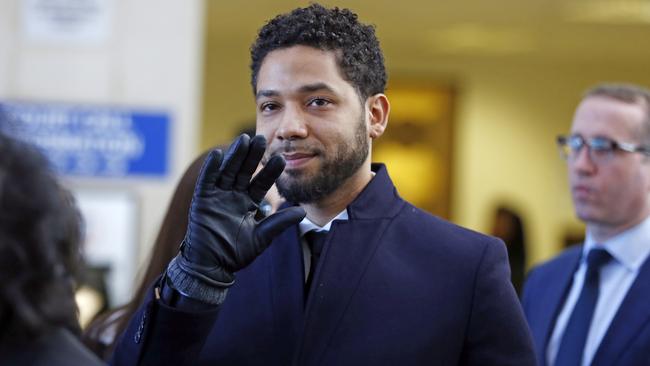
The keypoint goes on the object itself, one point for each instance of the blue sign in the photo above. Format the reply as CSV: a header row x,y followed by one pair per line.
x,y
94,141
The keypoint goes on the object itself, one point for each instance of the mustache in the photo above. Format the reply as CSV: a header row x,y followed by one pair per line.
x,y
288,147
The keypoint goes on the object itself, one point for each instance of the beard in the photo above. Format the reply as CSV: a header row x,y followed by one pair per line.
x,y
300,187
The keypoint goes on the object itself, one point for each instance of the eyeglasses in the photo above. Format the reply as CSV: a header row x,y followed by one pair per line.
x,y
600,149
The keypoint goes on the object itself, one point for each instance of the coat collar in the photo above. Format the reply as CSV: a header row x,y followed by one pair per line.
x,y
379,193
555,292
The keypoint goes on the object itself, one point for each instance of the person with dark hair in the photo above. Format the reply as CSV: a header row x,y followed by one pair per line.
x,y
509,227
591,304
353,274
40,240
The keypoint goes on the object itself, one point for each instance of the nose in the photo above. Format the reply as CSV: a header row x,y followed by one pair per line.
x,y
582,162
293,124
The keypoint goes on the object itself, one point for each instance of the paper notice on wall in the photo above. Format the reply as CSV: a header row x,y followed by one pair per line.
x,y
80,22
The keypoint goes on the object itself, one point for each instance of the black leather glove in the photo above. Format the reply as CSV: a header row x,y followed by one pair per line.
x,y
223,235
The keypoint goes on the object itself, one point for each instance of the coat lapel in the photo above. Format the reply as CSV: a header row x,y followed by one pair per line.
x,y
287,283
345,258
554,297
630,318
348,250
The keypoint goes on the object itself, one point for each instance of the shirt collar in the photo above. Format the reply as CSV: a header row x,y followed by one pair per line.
x,y
306,225
630,248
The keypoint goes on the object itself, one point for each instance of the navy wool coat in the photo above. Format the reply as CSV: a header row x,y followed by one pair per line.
x,y
394,286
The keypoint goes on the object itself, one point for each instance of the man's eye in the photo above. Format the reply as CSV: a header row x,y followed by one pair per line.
x,y
602,145
575,143
268,107
319,102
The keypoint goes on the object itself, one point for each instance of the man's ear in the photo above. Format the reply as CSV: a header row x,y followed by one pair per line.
x,y
378,109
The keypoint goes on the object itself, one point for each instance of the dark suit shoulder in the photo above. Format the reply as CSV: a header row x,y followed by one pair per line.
x,y
567,258
556,270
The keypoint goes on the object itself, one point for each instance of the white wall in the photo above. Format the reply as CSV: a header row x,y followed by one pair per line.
x,y
152,58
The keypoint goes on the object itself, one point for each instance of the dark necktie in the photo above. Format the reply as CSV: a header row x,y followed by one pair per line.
x,y
316,242
575,333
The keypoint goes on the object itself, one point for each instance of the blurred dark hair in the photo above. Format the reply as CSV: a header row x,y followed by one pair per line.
x,y
515,227
170,236
509,226
40,235
357,49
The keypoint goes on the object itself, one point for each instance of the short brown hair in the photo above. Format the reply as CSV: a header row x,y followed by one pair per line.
x,y
626,93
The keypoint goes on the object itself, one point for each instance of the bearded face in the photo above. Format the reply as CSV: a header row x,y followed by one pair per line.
x,y
314,118
307,186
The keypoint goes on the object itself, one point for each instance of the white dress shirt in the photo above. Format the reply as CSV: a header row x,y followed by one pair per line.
x,y
629,250
306,226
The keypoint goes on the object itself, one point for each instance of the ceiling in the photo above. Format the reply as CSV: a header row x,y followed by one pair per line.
x,y
419,35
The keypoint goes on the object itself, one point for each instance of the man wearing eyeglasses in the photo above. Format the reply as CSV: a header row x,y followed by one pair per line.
x,y
591,304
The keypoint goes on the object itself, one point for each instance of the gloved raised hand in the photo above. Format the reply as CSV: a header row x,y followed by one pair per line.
x,y
222,235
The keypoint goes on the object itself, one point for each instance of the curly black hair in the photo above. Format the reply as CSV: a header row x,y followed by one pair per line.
x,y
359,55
40,234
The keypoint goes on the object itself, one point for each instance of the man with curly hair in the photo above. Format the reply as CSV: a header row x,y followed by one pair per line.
x,y
354,275
39,250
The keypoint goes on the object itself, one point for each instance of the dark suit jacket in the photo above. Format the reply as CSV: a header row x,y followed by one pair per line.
x,y
627,341
394,286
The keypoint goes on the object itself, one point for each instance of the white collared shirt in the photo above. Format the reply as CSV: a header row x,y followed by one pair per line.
x,y
629,250
306,226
